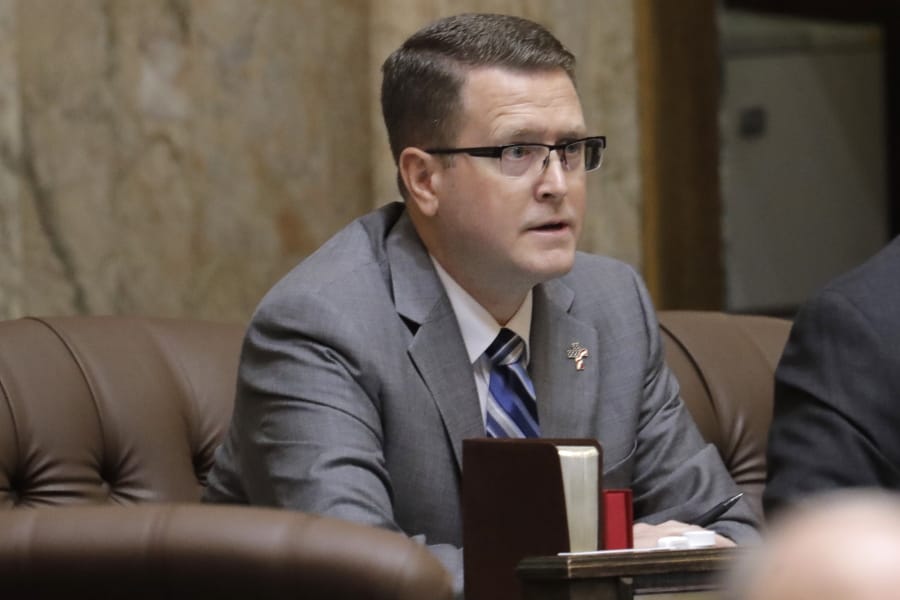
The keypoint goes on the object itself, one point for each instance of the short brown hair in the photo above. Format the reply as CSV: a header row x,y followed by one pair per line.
x,y
423,78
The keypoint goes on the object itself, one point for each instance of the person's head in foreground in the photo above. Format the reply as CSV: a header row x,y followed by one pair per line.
x,y
840,546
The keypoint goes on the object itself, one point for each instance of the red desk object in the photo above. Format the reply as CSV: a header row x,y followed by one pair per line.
x,y
618,528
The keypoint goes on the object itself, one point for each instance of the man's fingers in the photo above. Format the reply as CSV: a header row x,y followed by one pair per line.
x,y
647,536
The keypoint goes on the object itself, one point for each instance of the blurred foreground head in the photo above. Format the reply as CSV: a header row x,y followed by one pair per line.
x,y
843,545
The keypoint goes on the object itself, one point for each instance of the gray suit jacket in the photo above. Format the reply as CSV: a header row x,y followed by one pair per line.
x,y
355,392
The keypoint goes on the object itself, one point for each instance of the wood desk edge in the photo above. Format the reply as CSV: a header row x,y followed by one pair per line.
x,y
626,563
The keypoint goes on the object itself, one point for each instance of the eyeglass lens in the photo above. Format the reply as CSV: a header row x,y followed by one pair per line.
x,y
518,160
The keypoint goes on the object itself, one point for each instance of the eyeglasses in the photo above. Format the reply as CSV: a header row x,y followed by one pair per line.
x,y
518,159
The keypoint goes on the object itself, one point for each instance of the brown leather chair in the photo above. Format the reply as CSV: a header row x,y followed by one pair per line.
x,y
107,431
725,365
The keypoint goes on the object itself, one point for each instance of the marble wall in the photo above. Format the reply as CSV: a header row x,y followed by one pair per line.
x,y
176,157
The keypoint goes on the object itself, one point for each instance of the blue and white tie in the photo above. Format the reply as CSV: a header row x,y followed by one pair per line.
x,y
511,406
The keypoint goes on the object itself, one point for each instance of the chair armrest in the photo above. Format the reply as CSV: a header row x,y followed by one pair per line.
x,y
199,551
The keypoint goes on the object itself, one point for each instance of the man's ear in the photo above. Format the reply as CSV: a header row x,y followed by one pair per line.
x,y
421,173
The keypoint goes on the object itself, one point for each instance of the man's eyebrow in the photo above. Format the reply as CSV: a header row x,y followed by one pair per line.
x,y
572,134
532,135
515,135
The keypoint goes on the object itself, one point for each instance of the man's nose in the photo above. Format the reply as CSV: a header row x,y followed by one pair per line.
x,y
553,182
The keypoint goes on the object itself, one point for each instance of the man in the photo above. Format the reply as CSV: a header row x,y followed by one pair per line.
x,y
366,366
838,546
837,388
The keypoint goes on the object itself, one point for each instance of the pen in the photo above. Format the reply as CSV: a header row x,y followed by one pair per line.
x,y
716,511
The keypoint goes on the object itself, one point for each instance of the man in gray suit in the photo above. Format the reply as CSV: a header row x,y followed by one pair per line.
x,y
365,368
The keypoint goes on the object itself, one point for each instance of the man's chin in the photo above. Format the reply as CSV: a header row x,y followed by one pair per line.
x,y
553,266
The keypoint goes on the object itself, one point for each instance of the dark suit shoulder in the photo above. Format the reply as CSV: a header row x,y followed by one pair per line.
x,y
851,325
872,287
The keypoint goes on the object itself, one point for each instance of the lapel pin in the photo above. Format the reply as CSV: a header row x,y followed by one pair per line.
x,y
578,353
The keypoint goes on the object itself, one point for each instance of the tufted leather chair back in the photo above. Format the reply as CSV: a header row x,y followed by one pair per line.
x,y
725,365
129,410
112,409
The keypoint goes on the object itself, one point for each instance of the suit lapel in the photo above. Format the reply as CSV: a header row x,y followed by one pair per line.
x,y
437,349
564,395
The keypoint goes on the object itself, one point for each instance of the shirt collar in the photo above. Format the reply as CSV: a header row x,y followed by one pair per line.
x,y
477,325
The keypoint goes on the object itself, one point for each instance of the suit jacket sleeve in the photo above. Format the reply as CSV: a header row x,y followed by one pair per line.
x,y
307,421
835,414
676,474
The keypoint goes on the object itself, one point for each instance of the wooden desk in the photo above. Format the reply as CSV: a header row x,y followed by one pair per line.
x,y
656,575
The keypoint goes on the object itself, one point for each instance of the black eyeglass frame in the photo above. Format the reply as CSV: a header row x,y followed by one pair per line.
x,y
497,151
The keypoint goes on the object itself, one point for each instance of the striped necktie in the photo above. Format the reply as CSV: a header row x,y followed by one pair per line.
x,y
511,406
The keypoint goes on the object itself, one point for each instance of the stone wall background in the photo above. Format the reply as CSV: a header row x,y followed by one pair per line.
x,y
177,157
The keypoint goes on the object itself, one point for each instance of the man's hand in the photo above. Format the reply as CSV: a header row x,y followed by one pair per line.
x,y
646,536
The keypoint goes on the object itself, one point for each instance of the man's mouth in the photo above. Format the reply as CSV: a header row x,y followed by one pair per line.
x,y
553,226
